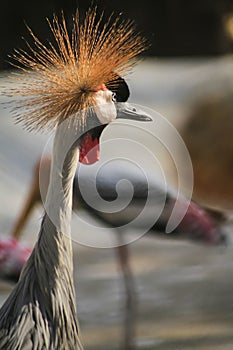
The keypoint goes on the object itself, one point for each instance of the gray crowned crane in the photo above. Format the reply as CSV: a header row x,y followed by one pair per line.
x,y
66,86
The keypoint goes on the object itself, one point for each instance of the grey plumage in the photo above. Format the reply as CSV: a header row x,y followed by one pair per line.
x,y
58,87
40,313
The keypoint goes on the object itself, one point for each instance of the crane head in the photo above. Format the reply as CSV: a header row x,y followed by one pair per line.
x,y
79,70
109,106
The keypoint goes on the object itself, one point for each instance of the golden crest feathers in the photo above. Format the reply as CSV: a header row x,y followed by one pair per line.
x,y
57,80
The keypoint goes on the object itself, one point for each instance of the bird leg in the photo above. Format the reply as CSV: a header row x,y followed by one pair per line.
x,y
32,198
38,188
130,311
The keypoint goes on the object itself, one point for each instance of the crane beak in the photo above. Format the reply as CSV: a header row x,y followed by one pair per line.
x,y
128,111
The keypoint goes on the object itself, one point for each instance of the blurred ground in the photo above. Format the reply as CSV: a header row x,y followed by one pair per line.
x,y
184,290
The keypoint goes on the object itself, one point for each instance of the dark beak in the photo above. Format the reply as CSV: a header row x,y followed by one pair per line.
x,y
128,111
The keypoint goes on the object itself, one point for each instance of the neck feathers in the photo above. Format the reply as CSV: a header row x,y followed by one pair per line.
x,y
58,205
45,294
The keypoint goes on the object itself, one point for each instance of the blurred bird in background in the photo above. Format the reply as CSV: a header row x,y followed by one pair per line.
x,y
207,134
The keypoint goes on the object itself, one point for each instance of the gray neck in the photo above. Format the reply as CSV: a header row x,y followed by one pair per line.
x,y
54,256
47,279
58,205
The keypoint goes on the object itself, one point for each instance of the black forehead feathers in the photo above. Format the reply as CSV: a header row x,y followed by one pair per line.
x,y
121,89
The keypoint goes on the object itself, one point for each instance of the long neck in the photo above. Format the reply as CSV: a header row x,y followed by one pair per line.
x,y
47,278
58,205
54,248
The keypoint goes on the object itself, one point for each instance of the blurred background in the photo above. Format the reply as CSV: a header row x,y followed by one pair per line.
x,y
174,28
184,290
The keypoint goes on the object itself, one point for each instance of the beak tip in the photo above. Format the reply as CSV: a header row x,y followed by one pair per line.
x,y
126,111
148,119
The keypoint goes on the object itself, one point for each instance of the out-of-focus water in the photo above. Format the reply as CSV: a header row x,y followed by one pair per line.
x,y
184,290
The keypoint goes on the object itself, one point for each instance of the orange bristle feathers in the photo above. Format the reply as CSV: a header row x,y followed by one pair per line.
x,y
57,81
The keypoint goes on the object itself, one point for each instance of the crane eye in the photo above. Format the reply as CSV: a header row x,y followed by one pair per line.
x,y
114,97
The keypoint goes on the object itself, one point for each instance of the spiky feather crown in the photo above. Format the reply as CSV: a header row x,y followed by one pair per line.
x,y
56,82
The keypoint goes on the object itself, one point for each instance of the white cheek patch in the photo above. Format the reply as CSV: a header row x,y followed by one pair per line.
x,y
105,108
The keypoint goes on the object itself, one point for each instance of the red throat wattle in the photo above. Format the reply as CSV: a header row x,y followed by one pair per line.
x,y
89,150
